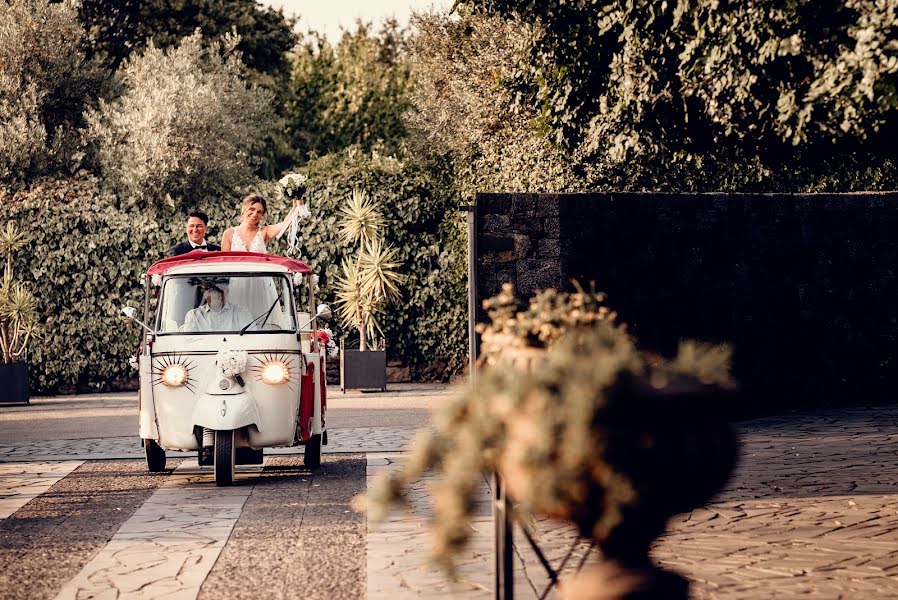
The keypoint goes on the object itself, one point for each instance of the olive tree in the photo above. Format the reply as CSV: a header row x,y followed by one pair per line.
x,y
186,126
45,84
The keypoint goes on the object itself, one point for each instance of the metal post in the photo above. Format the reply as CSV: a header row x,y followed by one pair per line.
x,y
472,288
503,549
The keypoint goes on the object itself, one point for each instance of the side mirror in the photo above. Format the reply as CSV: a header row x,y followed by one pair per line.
x,y
130,315
323,312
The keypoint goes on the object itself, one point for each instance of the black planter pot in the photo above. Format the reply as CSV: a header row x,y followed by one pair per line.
x,y
14,383
363,370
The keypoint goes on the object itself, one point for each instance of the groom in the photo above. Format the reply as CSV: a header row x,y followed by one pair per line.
x,y
196,228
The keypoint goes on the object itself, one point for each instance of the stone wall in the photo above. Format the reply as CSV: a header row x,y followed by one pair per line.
x,y
803,286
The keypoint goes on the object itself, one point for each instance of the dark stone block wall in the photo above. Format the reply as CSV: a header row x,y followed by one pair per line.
x,y
803,286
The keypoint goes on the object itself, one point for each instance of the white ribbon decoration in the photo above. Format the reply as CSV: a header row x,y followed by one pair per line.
x,y
299,213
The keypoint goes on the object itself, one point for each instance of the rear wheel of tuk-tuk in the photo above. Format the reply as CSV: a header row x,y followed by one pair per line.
x,y
312,459
224,457
155,456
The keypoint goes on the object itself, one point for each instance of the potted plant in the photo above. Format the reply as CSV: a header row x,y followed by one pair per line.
x,y
582,426
18,321
369,283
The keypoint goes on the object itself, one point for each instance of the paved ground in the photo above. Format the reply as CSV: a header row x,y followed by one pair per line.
x,y
811,512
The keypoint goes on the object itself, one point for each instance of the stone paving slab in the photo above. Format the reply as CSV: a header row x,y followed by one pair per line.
x,y
399,564
354,440
20,483
47,542
169,545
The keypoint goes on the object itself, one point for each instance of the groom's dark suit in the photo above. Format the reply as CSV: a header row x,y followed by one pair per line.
x,y
185,247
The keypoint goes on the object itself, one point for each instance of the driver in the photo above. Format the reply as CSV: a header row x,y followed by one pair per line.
x,y
215,313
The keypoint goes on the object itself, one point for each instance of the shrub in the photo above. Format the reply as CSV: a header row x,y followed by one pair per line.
x,y
87,263
424,225
696,96
45,84
186,127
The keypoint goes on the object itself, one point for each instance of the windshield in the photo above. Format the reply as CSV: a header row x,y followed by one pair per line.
x,y
226,303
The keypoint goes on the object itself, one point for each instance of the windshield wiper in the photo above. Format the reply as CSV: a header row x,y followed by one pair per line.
x,y
245,327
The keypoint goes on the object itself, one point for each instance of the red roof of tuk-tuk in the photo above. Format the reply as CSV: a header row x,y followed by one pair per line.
x,y
197,257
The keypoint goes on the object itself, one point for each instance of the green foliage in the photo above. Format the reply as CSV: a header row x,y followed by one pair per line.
x,y
121,28
353,92
45,84
563,427
417,201
86,264
18,306
693,95
186,127
370,281
94,247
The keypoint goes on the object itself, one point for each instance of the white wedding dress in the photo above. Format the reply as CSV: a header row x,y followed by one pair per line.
x,y
255,293
257,245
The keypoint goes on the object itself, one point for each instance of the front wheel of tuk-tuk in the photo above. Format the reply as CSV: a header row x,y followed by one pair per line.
x,y
224,457
312,458
155,456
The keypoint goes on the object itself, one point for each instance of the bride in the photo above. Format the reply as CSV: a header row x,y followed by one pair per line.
x,y
249,236
254,292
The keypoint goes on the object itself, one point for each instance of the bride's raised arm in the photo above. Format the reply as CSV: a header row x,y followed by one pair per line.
x,y
272,231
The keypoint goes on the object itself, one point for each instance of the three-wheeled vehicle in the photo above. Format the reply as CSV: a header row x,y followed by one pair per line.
x,y
229,363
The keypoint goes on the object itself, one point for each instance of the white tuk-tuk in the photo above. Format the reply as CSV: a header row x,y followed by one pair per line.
x,y
230,363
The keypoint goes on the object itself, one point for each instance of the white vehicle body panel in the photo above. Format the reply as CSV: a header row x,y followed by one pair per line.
x,y
266,412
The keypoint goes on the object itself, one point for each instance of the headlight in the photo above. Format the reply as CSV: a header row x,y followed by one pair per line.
x,y
174,375
275,372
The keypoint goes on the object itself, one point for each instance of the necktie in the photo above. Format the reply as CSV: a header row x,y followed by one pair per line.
x,y
203,247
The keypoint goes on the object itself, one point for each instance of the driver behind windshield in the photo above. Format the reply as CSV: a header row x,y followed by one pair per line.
x,y
215,313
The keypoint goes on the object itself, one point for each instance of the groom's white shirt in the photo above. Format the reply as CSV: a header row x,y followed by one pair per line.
x,y
231,317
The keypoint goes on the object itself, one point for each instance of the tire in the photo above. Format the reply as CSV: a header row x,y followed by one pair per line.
x,y
224,457
155,456
312,458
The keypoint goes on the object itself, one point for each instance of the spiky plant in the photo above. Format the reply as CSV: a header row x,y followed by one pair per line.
x,y
18,306
11,241
370,279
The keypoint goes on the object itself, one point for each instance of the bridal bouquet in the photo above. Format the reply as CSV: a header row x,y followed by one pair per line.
x,y
293,185
231,363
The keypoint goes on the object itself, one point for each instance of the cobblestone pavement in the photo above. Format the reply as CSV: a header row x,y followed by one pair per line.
x,y
812,511
340,441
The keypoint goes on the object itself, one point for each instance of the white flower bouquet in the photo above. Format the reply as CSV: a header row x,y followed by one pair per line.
x,y
293,185
231,363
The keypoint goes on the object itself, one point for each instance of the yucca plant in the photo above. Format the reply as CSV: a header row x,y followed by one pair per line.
x,y
370,279
18,305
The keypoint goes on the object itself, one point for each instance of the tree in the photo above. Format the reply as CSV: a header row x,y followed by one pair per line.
x,y
701,94
351,93
461,66
45,84
120,28
186,126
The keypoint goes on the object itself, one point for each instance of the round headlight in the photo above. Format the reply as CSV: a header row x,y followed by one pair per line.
x,y
275,372
174,375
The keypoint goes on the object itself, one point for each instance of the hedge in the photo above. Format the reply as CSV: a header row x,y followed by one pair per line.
x,y
90,248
